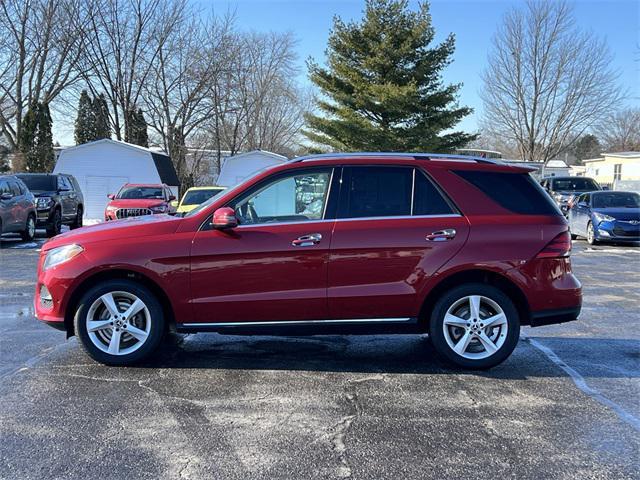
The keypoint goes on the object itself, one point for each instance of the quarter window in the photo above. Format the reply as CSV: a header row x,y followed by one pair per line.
x,y
292,198
427,200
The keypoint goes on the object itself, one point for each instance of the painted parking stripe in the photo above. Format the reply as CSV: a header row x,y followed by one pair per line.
x,y
582,384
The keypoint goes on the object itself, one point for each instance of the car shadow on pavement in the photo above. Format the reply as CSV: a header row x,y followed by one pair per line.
x,y
398,354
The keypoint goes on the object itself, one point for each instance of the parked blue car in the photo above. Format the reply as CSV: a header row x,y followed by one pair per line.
x,y
606,216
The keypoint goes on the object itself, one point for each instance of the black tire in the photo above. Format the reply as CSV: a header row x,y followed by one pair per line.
x,y
156,314
437,334
29,232
77,223
591,234
55,224
574,236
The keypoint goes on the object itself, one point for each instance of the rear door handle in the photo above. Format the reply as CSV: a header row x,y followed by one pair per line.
x,y
307,240
442,235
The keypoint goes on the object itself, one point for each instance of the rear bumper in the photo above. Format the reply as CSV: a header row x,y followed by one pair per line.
x,y
549,317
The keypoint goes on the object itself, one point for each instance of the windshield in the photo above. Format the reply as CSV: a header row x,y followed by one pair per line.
x,y
41,183
616,200
578,184
129,193
196,197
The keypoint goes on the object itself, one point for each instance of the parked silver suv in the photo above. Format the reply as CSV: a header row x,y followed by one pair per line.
x,y
17,208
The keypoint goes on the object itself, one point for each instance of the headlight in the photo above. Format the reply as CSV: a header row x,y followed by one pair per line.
x,y
59,255
44,202
159,209
601,217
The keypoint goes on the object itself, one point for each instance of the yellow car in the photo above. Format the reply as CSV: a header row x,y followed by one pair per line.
x,y
195,196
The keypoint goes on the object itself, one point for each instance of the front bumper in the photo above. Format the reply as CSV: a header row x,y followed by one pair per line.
x,y
43,217
617,231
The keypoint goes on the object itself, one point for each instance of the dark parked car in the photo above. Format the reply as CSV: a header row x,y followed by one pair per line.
x,y
462,248
17,208
606,216
59,200
564,189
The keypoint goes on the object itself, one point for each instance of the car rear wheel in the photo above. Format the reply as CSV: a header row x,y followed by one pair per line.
x,y
29,231
55,225
119,322
475,326
591,235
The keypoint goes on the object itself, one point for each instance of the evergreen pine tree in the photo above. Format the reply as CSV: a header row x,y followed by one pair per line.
x,y
135,128
101,114
142,137
36,140
383,89
85,126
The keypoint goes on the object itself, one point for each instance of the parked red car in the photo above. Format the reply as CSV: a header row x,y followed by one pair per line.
x,y
136,200
464,249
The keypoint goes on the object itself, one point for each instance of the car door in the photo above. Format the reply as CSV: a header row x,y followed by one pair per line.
x,y
7,207
273,266
393,230
20,208
573,215
583,213
66,194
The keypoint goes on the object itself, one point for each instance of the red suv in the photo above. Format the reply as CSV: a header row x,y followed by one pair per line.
x,y
464,249
136,200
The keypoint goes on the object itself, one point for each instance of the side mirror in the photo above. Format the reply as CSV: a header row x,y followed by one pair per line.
x,y
172,198
111,196
224,218
6,196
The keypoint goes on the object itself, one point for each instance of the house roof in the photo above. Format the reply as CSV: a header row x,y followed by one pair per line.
x,y
275,156
556,164
623,154
162,161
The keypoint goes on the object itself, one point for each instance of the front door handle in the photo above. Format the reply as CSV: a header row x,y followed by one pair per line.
x,y
442,235
307,240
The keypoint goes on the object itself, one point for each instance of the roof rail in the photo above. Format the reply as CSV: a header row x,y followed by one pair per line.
x,y
417,156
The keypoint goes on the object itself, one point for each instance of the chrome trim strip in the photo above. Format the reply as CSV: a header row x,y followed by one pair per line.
x,y
299,322
308,222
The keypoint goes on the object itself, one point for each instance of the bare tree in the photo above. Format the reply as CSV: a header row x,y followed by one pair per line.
x,y
124,41
40,44
620,131
547,81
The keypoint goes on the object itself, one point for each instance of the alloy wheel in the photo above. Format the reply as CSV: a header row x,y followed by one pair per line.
x,y
31,227
118,323
475,327
590,233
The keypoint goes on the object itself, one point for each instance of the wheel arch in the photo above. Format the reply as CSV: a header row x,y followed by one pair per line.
x,y
476,275
115,274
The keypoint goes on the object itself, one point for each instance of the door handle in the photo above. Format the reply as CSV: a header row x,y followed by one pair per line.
x,y
307,240
441,235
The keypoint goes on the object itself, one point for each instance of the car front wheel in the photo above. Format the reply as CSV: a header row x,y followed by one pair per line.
x,y
475,326
29,231
119,322
591,235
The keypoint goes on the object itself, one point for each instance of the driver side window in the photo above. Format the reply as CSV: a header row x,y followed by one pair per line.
x,y
292,198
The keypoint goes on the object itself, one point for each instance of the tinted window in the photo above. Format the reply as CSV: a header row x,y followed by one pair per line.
x,y
196,197
15,189
377,192
292,198
39,183
577,184
517,192
64,184
616,200
427,200
130,193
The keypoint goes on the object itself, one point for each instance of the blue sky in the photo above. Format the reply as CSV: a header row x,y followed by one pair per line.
x,y
473,22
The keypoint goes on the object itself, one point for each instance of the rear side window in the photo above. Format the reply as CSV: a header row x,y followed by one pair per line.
x,y
517,192
427,200
377,192
15,188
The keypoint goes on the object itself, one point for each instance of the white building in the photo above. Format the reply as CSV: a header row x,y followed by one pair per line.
x,y
103,166
237,168
614,168
555,168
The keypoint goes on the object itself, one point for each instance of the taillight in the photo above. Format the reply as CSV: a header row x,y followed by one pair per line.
x,y
560,246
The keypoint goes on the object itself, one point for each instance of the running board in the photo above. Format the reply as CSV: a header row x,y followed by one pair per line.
x,y
310,327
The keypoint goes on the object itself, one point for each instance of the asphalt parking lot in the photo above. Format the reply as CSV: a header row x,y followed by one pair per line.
x,y
565,405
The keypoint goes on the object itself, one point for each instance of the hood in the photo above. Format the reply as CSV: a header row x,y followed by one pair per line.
x,y
620,213
44,193
186,208
118,229
136,203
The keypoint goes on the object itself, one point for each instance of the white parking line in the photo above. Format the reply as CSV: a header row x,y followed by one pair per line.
x,y
582,384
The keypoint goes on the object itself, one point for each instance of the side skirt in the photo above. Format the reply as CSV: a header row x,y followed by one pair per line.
x,y
369,326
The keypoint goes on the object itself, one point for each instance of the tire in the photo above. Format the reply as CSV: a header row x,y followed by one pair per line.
x,y
77,223
55,225
591,234
456,304
574,236
148,323
29,232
